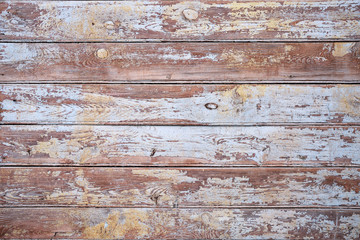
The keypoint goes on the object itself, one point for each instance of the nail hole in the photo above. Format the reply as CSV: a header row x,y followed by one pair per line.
x,y
291,76
14,100
155,199
153,151
211,106
93,24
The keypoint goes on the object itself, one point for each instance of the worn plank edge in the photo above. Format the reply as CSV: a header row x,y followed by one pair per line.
x,y
59,206
177,82
300,40
209,124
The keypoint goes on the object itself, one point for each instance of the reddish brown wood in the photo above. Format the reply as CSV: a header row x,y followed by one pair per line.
x,y
160,223
179,62
183,187
180,20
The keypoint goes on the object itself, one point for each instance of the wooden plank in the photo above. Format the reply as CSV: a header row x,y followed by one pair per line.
x,y
179,146
179,104
160,223
178,20
180,187
179,62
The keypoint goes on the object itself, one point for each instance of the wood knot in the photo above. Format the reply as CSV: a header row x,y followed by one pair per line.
x,y
190,14
102,53
211,106
109,25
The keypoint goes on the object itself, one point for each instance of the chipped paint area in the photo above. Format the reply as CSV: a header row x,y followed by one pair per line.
x,y
186,223
123,145
287,56
307,187
246,92
178,61
71,149
331,188
341,49
156,20
261,103
120,225
350,225
348,100
28,57
173,176
282,222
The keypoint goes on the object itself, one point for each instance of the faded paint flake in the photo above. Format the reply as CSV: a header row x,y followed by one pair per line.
x,y
174,176
120,225
341,49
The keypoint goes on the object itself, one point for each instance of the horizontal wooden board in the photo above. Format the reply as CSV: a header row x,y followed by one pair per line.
x,y
180,187
179,104
135,223
179,146
179,62
179,20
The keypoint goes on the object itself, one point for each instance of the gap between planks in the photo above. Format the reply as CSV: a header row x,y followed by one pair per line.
x,y
185,83
161,124
181,82
59,206
167,165
191,41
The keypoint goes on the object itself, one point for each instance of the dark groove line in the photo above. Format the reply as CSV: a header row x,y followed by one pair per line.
x,y
183,167
178,82
166,83
189,207
157,124
329,40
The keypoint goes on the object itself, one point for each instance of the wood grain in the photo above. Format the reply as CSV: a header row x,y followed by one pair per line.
x,y
180,187
178,20
179,104
179,62
140,223
179,146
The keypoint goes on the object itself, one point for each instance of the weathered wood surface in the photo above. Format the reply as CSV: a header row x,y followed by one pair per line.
x,y
179,104
182,187
141,223
178,20
179,62
179,146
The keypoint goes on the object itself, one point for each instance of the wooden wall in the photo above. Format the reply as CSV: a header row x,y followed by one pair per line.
x,y
180,119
